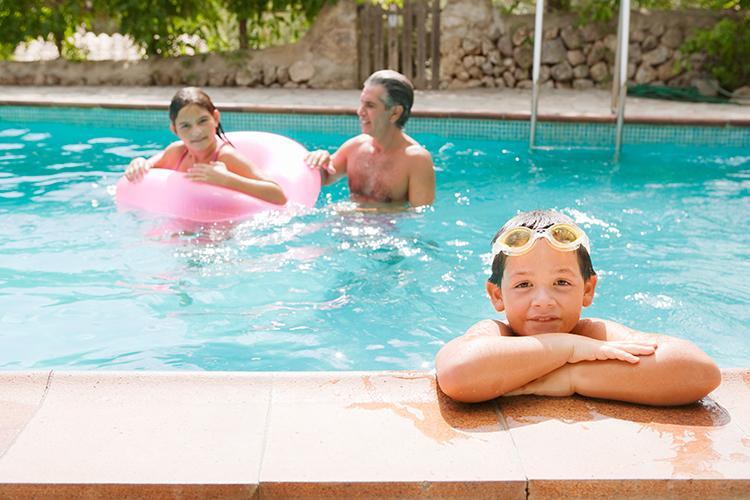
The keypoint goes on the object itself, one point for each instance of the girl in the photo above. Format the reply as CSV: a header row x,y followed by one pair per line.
x,y
204,153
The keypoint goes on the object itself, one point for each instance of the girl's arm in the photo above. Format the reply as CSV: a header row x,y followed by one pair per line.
x,y
166,159
234,171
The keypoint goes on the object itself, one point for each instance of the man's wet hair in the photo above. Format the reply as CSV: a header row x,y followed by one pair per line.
x,y
398,91
538,219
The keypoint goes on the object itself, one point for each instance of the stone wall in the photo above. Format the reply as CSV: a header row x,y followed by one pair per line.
x,y
321,59
481,48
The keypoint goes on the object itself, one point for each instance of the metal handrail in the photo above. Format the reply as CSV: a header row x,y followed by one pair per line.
x,y
538,21
621,72
619,79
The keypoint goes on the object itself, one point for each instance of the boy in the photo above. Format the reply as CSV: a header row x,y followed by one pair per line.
x,y
542,277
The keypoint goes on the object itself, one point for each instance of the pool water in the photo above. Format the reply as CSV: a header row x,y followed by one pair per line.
x,y
83,286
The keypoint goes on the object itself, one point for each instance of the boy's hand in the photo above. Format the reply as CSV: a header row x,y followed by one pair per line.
x,y
588,349
137,169
556,383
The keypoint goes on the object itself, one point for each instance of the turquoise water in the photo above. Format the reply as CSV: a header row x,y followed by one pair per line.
x,y
83,286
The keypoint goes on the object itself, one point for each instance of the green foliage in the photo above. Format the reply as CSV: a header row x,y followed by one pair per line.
x,y
604,10
160,27
262,23
52,20
727,50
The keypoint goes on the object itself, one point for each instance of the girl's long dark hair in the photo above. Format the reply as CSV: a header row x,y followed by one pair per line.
x,y
195,95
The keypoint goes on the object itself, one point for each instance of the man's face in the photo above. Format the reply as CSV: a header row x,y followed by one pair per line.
x,y
196,126
542,291
374,118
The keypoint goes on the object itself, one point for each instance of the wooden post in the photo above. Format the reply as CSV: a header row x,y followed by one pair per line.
x,y
392,22
406,41
365,41
377,28
421,59
435,60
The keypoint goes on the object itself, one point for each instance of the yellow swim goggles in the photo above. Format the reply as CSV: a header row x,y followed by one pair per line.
x,y
519,240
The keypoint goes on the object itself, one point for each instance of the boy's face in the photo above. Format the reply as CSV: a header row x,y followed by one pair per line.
x,y
542,291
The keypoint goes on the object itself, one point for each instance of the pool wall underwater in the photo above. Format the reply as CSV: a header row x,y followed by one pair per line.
x,y
549,133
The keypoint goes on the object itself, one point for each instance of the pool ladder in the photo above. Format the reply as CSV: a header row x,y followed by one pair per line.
x,y
619,78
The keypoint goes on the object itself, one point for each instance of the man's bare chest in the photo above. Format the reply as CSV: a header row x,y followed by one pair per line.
x,y
377,176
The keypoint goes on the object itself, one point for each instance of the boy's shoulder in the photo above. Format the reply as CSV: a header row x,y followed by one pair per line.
x,y
490,327
595,328
604,329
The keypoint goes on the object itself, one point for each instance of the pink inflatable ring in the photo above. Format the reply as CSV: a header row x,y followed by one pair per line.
x,y
167,192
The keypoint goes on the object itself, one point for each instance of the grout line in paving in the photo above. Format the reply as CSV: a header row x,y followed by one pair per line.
x,y
39,405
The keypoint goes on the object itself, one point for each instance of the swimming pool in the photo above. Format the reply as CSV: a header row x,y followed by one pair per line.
x,y
83,286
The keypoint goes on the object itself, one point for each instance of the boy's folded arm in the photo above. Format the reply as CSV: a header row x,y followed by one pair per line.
x,y
487,362
677,373
483,364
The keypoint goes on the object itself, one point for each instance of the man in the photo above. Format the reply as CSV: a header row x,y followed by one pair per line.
x,y
383,164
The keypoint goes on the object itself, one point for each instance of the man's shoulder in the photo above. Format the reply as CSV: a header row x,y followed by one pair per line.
x,y
417,155
360,139
417,150
355,143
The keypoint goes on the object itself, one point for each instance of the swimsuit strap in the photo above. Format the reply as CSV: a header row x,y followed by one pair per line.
x,y
218,150
213,158
182,158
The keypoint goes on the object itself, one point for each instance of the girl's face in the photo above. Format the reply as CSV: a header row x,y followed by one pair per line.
x,y
196,126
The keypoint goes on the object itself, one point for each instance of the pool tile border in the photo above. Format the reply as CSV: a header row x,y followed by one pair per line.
x,y
596,131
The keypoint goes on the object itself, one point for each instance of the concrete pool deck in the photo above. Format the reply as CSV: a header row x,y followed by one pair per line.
x,y
103,434
355,435
554,104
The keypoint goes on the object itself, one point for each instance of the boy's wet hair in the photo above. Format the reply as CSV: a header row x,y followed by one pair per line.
x,y
193,95
539,219
398,91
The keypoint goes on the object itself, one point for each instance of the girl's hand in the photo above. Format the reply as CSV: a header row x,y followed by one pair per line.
x,y
137,169
215,172
588,349
320,160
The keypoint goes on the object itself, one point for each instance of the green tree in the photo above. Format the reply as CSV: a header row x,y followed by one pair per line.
x,y
604,10
726,47
157,25
52,20
266,22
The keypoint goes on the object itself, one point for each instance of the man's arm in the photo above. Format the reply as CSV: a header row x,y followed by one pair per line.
x,y
678,373
332,167
421,179
486,362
